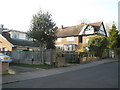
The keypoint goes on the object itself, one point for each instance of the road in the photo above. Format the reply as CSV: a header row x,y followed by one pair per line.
x,y
101,76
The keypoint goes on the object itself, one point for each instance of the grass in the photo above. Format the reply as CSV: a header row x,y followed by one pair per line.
x,y
35,66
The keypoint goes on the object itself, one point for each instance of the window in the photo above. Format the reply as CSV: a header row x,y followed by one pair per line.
x,y
22,36
69,47
89,27
89,30
101,31
59,39
70,38
14,35
18,35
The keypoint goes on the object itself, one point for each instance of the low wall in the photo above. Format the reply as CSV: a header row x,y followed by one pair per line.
x,y
60,61
4,67
86,59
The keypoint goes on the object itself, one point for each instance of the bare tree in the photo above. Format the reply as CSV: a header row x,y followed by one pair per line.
x,y
84,21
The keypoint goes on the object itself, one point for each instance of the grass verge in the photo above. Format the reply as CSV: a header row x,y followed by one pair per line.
x,y
34,66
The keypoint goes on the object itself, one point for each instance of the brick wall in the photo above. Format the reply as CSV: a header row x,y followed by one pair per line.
x,y
5,44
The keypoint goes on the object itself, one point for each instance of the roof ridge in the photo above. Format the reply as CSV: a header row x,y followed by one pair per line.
x,y
96,22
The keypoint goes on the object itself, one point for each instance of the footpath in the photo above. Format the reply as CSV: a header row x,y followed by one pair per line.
x,y
43,73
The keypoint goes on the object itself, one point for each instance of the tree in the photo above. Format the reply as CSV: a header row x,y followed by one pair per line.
x,y
97,45
84,21
113,38
43,30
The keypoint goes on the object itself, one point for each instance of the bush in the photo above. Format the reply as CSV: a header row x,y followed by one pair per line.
x,y
60,54
97,45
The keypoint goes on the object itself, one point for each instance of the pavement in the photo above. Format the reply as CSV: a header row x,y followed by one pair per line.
x,y
43,73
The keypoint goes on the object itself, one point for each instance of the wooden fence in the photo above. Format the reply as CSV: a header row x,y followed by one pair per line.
x,y
74,57
50,57
32,57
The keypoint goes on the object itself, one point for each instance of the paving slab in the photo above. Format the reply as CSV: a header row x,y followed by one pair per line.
x,y
19,69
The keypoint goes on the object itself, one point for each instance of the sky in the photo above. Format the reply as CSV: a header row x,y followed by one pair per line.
x,y
17,14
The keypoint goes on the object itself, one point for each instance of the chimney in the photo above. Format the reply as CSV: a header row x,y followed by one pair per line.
x,y
1,28
62,26
1,25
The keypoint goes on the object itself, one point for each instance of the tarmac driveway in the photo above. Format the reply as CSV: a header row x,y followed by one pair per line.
x,y
18,69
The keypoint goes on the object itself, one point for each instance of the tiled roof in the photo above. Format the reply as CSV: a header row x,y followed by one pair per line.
x,y
75,30
96,25
69,31
19,42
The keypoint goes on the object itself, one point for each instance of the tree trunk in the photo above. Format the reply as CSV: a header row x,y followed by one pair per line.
x,y
42,58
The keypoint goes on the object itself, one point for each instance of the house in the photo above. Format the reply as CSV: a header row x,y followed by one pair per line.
x,y
11,40
73,37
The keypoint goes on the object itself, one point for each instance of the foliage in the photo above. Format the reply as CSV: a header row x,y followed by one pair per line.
x,y
80,48
43,29
113,38
50,45
59,53
105,53
119,41
97,45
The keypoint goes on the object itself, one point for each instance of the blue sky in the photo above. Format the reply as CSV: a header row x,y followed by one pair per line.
x,y
17,14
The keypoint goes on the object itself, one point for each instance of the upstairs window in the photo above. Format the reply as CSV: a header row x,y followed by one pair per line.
x,y
18,35
70,38
101,31
89,30
14,35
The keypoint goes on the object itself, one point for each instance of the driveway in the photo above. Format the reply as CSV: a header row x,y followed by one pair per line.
x,y
18,69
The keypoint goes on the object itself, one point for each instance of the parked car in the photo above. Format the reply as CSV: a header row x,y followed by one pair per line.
x,y
5,58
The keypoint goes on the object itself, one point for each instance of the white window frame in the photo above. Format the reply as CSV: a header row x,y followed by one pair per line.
x,y
101,31
59,39
70,38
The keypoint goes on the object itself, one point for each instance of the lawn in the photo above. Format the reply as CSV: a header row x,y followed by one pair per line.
x,y
35,66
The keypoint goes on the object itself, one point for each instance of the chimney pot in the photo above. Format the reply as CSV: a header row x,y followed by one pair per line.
x,y
62,26
1,25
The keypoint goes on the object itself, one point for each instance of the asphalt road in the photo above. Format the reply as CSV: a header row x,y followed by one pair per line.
x,y
101,76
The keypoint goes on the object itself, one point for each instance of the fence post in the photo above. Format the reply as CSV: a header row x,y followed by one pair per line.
x,y
51,56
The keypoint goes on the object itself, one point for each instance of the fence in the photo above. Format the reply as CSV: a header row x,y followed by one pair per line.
x,y
118,53
71,57
32,57
74,57
49,56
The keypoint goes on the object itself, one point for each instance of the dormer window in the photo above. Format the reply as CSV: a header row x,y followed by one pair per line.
x,y
18,35
15,35
89,30
101,31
